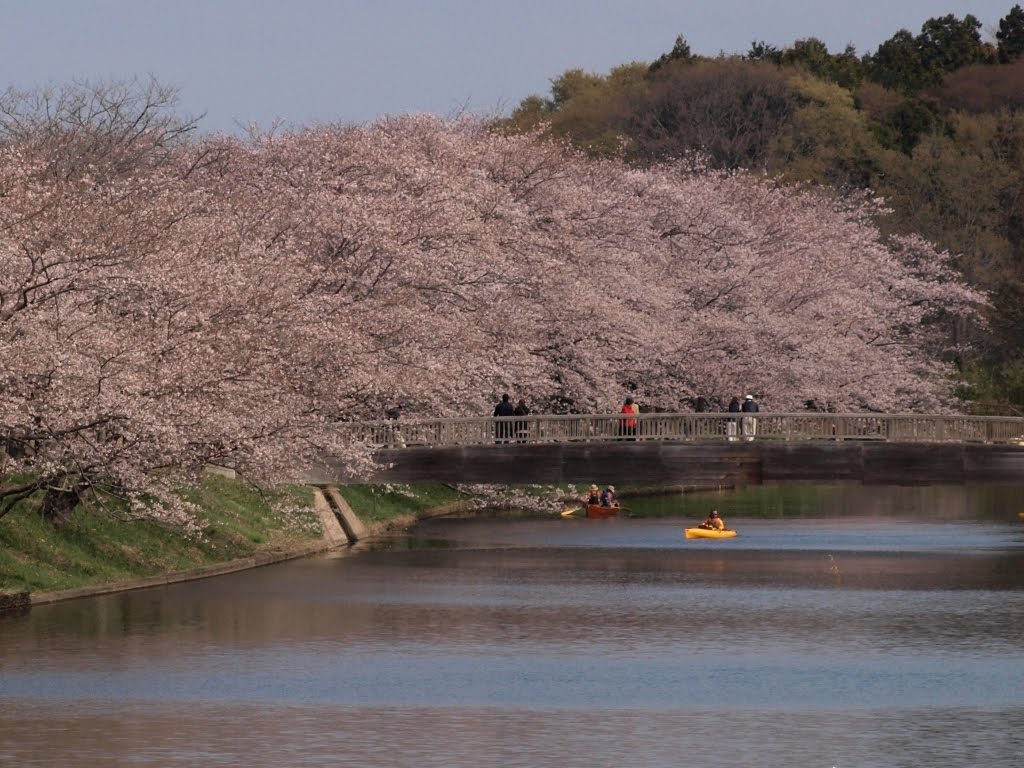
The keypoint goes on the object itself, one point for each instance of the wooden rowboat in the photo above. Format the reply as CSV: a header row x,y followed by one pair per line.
x,y
597,512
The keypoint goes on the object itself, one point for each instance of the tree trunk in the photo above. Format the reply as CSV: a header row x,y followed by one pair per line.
x,y
59,503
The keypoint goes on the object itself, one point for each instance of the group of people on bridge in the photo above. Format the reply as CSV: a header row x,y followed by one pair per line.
x,y
506,431
747,424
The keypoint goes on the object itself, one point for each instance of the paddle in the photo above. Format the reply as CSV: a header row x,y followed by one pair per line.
x,y
574,510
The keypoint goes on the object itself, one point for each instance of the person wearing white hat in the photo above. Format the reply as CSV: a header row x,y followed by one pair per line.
x,y
749,423
593,495
608,497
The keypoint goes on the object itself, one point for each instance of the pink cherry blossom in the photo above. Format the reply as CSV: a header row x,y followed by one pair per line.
x,y
231,300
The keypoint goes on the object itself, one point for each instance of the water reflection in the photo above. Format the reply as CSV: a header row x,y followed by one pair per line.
x,y
934,503
823,639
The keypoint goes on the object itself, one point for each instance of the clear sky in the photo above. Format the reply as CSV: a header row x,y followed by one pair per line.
x,y
309,61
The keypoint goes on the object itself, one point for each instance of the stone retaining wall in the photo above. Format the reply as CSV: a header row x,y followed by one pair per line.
x,y
11,602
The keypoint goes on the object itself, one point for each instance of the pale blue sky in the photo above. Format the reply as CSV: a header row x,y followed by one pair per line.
x,y
308,61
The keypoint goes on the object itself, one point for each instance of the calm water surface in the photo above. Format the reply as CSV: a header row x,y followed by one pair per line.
x,y
843,627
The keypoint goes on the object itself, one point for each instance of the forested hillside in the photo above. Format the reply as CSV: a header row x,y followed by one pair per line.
x,y
932,122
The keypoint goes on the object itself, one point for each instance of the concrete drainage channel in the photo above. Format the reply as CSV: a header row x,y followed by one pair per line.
x,y
341,525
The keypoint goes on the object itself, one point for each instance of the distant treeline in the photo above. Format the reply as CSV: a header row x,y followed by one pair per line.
x,y
933,123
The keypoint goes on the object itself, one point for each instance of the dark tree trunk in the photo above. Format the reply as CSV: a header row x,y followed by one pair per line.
x,y
59,503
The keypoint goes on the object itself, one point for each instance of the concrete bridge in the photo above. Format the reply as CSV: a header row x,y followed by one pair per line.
x,y
699,449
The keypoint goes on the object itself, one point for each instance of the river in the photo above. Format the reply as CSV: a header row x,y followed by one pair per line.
x,y
848,627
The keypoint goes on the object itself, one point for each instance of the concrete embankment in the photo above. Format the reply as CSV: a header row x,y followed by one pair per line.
x,y
217,569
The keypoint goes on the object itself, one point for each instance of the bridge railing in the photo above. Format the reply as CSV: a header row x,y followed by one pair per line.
x,y
688,426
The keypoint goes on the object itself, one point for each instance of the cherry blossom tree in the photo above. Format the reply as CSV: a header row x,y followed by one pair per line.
x,y
168,301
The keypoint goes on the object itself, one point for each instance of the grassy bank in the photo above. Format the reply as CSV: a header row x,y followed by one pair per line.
x,y
378,504
101,545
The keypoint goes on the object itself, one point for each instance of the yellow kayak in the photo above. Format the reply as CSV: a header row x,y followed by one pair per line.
x,y
707,533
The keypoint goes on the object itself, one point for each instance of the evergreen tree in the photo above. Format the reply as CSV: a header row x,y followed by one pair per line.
x,y
911,64
948,43
680,52
1010,36
897,64
762,51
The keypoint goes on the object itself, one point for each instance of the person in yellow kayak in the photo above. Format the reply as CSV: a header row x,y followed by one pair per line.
x,y
714,522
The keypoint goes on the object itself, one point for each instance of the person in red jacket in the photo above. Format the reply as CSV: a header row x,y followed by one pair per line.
x,y
629,423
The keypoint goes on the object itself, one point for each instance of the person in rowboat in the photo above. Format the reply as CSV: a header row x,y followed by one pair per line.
x,y
714,522
593,496
608,497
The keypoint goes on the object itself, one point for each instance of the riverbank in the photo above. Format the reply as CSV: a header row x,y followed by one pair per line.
x,y
99,550
102,546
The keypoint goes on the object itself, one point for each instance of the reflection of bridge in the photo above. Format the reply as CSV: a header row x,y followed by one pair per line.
x,y
707,449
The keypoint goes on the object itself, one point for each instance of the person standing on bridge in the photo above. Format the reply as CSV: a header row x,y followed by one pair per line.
x,y
749,422
630,409
394,432
503,429
521,426
732,424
